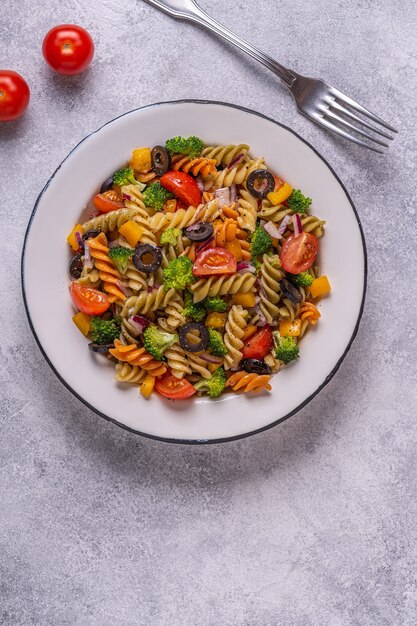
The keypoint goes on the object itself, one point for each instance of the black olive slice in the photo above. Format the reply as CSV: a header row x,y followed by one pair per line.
x,y
76,265
144,264
96,347
91,233
289,291
260,183
108,184
253,366
200,231
188,345
160,160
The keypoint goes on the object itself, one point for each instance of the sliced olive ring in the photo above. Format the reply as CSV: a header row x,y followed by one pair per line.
x,y
91,233
260,183
188,345
200,231
144,250
107,185
96,347
161,160
289,291
76,265
253,366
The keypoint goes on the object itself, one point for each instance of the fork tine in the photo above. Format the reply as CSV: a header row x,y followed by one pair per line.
x,y
327,124
352,116
361,109
363,133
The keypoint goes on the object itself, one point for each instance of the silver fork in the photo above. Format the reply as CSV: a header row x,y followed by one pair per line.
x,y
315,98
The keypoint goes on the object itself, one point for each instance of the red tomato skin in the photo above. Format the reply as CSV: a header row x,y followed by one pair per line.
x,y
68,49
104,204
14,95
293,259
183,186
258,346
202,267
185,389
88,300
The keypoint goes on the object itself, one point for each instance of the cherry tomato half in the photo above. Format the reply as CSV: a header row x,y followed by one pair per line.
x,y
258,346
88,300
175,388
299,252
104,202
183,186
215,261
14,95
68,49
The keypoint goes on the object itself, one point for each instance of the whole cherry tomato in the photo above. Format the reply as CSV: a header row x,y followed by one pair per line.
x,y
14,95
68,49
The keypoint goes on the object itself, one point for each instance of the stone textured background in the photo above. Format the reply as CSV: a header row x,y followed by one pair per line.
x,y
311,523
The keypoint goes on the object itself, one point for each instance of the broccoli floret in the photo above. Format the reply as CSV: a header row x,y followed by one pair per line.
x,y
125,176
217,305
191,146
194,310
261,242
304,279
120,257
179,273
155,196
213,386
216,343
298,202
103,331
286,349
156,342
170,236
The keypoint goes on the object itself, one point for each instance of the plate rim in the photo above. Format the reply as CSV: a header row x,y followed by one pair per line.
x,y
329,376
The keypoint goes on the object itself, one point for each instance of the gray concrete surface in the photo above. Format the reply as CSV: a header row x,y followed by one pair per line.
x,y
311,523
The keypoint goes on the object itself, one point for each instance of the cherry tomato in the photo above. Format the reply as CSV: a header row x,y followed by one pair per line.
x,y
258,346
299,252
104,202
14,95
183,186
215,261
175,388
88,300
68,49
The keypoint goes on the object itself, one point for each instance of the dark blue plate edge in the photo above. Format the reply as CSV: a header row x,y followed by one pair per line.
x,y
199,441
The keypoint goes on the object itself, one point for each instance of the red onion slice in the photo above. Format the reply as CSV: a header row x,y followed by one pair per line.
x,y
79,239
223,196
236,161
284,224
139,323
204,246
88,260
210,358
125,291
126,196
262,319
200,182
298,227
233,193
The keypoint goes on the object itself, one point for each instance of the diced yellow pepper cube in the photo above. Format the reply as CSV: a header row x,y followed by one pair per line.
x,y
131,231
170,206
320,287
288,328
141,159
279,196
245,299
235,248
72,240
147,386
212,367
82,322
249,331
216,320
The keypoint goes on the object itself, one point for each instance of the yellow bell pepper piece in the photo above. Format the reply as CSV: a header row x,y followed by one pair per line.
x,y
131,231
72,240
212,367
147,386
82,322
235,248
170,206
245,299
216,320
279,196
249,331
290,329
141,159
320,287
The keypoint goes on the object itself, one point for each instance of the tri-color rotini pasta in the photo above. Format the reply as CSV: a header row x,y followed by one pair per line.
x,y
196,271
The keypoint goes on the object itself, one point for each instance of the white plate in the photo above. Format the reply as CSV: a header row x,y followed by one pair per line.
x,y
45,284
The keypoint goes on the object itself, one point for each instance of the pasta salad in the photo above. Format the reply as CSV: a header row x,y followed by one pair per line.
x,y
196,272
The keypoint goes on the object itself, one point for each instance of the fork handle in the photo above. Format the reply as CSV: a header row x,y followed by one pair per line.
x,y
189,10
